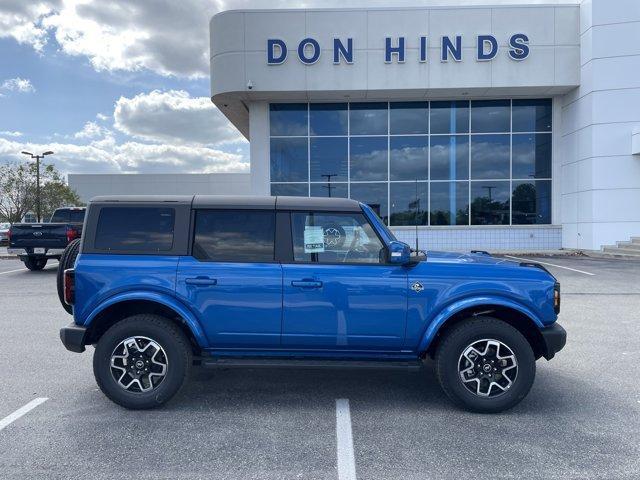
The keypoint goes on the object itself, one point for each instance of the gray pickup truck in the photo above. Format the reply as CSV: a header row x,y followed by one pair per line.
x,y
36,243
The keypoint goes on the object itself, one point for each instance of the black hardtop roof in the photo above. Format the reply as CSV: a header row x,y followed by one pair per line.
x,y
239,201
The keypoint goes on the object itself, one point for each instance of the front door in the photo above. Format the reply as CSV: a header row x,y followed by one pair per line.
x,y
232,279
339,293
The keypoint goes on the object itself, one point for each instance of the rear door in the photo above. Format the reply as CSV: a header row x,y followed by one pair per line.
x,y
232,279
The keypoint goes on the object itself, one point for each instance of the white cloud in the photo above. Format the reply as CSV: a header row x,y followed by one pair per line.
x,y
10,133
169,37
106,156
102,117
22,20
91,130
22,85
175,117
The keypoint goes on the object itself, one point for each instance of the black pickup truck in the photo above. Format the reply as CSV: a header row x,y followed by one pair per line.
x,y
35,243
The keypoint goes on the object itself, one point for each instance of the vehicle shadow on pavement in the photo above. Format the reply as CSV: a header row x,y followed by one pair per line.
x,y
237,388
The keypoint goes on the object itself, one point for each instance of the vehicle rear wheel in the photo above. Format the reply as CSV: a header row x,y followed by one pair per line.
x,y
67,260
34,263
142,361
485,365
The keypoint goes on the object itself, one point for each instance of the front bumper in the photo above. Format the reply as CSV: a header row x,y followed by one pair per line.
x,y
554,339
21,252
74,337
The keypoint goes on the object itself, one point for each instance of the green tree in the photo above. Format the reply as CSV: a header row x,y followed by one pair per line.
x,y
18,190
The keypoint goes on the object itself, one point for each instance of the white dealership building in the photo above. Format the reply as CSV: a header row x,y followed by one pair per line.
x,y
497,127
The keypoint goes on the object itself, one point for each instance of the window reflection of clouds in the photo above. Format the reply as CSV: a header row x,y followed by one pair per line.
x,y
369,158
409,158
401,141
490,156
441,157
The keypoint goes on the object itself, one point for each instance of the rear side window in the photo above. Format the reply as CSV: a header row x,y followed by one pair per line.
x,y
135,229
234,236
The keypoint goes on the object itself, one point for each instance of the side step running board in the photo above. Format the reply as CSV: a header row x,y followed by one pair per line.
x,y
302,363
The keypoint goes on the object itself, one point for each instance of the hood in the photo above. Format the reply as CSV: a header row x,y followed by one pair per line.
x,y
468,258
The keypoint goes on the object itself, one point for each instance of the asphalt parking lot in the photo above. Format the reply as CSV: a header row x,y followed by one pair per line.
x,y
580,420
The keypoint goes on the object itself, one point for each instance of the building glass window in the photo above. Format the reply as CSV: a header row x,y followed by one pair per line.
x,y
330,189
290,189
490,156
449,117
288,119
328,119
532,115
479,162
368,118
328,159
289,160
409,203
449,203
490,203
490,116
449,157
531,155
369,158
406,118
409,158
531,202
373,194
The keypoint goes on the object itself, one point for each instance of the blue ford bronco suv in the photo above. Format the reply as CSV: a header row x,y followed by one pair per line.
x,y
159,284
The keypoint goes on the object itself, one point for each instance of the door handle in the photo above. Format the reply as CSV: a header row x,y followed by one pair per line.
x,y
306,283
202,281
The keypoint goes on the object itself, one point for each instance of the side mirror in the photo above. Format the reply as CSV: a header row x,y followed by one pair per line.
x,y
399,253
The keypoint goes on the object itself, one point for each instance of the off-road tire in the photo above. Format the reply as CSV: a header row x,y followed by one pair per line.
x,y
168,336
456,340
67,260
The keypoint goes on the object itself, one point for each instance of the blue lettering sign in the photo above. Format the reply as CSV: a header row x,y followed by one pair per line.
x,y
449,48
483,42
272,57
519,44
339,50
423,49
302,54
390,50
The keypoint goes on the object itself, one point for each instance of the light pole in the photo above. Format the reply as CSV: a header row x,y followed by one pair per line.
x,y
37,158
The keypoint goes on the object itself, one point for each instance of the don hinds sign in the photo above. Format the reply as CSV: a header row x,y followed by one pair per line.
x,y
308,50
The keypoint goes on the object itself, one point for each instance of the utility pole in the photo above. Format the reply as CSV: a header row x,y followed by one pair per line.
x,y
328,186
37,159
490,189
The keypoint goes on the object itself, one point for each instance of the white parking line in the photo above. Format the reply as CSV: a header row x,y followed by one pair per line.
x,y
346,458
9,419
551,265
24,269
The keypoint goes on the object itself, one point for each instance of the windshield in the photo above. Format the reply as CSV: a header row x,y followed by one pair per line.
x,y
5,226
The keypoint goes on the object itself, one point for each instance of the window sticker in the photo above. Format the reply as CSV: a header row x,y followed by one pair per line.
x,y
313,239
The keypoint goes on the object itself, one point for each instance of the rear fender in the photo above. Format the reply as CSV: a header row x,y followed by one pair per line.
x,y
190,320
482,301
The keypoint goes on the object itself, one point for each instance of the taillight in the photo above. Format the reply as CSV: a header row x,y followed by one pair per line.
x,y
69,284
556,297
72,234
9,236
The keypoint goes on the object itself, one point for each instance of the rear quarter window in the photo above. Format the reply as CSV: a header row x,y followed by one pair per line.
x,y
135,229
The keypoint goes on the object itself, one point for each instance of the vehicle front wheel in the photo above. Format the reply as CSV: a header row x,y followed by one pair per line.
x,y
142,361
34,264
485,365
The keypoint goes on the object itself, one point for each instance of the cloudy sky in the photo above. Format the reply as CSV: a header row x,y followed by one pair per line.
x,y
121,86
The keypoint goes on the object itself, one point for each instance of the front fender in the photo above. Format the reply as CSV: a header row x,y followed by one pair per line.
x,y
192,322
465,303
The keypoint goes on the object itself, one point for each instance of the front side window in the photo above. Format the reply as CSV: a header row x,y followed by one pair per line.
x,y
335,238
244,236
135,229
